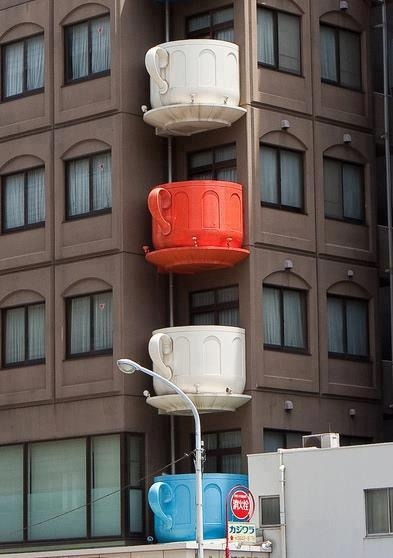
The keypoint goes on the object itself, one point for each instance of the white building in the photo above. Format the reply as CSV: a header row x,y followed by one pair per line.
x,y
335,502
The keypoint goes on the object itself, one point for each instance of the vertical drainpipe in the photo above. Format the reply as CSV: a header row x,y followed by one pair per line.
x,y
283,516
171,303
386,136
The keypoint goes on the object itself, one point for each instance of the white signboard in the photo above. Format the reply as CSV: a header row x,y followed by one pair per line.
x,y
241,532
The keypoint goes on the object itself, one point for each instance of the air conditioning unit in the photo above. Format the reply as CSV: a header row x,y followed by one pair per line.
x,y
326,440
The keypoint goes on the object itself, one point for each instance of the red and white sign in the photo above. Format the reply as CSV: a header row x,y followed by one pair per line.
x,y
242,505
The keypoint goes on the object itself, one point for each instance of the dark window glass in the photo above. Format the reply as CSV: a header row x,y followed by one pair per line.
x,y
269,511
354,440
23,67
89,185
284,318
344,190
11,493
279,40
223,452
89,324
135,480
348,327
218,163
215,24
215,307
24,335
284,439
23,200
281,177
340,57
379,511
384,318
88,49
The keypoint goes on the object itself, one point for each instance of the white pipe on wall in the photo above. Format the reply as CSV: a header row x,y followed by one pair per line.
x,y
283,518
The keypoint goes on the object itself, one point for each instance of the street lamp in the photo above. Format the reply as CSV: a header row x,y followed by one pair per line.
x,y
128,366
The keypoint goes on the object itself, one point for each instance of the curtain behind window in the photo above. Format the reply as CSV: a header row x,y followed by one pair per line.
x,y
271,316
349,59
11,493
78,187
35,63
288,43
105,480
266,37
57,484
13,69
294,323
100,45
102,181
102,321
78,38
79,325
357,330
291,179
15,335
35,196
377,511
329,70
335,325
352,191
14,201
269,178
332,179
36,331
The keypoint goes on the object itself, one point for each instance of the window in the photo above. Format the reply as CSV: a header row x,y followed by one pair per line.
x,y
279,40
354,440
284,439
89,324
68,489
215,24
379,511
269,511
136,495
284,318
23,200
281,177
218,163
87,48
215,307
23,67
89,185
340,57
344,190
348,327
24,335
223,452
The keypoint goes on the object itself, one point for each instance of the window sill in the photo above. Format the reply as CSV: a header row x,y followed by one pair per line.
x,y
347,221
347,87
290,350
87,215
298,210
106,352
263,66
98,75
39,225
23,364
371,536
23,95
351,358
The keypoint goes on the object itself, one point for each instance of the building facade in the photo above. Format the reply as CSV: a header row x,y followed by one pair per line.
x,y
76,165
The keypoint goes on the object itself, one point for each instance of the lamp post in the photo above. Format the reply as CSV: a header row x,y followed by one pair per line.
x,y
128,366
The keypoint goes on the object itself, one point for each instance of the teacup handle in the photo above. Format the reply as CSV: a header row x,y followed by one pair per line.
x,y
161,492
159,199
161,344
155,59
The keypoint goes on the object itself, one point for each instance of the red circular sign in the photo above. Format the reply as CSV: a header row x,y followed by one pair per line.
x,y
241,505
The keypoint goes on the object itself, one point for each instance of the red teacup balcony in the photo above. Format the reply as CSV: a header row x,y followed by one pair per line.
x,y
197,226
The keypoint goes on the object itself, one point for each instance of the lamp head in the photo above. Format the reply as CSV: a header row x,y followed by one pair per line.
x,y
127,366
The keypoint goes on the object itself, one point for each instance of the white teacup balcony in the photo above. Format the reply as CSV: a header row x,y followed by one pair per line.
x,y
207,362
194,86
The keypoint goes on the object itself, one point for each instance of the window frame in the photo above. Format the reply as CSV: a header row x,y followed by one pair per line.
x,y
304,309
345,355
278,149
389,490
67,51
276,66
285,434
216,307
92,212
209,32
344,219
125,533
25,92
26,226
215,166
267,525
26,361
220,453
68,309
337,82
